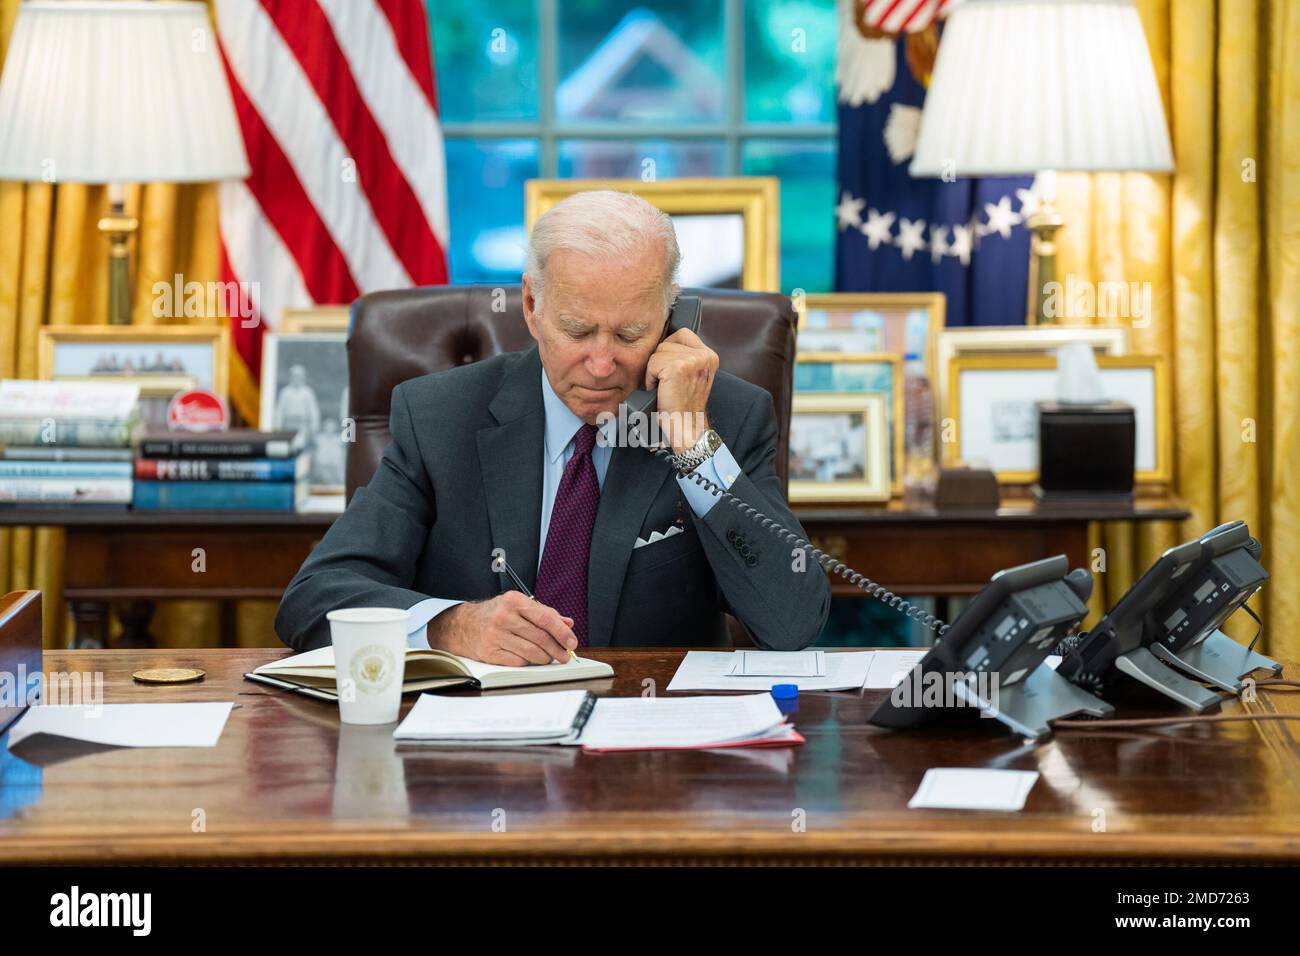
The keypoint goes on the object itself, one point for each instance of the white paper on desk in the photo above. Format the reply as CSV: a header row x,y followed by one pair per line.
x,y
672,722
778,664
547,717
889,667
127,725
707,670
955,788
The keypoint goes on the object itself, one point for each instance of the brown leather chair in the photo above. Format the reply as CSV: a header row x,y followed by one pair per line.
x,y
394,336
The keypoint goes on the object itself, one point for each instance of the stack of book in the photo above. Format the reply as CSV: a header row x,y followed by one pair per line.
x,y
236,470
67,444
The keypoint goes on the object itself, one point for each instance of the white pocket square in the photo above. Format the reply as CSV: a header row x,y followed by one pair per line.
x,y
657,536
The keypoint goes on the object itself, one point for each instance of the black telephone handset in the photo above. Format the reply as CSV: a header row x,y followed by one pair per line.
x,y
685,314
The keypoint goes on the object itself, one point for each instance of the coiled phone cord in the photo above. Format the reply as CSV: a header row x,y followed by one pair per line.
x,y
830,564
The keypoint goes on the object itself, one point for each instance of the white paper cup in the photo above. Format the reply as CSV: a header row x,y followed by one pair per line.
x,y
369,660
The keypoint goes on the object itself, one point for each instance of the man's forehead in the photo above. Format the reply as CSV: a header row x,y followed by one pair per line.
x,y
608,298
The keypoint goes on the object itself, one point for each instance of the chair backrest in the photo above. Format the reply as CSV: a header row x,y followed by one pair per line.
x,y
20,648
399,335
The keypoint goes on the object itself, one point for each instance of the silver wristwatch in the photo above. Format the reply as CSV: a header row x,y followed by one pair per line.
x,y
700,452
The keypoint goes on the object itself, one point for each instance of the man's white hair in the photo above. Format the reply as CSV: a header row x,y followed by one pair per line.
x,y
606,225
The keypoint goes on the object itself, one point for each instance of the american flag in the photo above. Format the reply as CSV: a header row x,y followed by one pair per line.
x,y
347,195
901,16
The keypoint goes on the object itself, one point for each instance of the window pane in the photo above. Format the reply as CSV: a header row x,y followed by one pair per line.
x,y
807,172
790,60
485,56
619,60
645,160
487,207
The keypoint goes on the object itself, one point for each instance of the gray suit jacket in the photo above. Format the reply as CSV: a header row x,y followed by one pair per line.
x,y
463,475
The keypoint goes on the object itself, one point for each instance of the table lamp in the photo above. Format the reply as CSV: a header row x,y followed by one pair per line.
x,y
116,91
1026,87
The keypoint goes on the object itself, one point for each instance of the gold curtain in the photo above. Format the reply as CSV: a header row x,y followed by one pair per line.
x,y
53,270
1218,242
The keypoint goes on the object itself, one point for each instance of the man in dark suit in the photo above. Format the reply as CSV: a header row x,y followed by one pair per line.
x,y
504,457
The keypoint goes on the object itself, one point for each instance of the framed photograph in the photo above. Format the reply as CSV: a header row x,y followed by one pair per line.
x,y
161,359
952,343
320,318
879,373
305,389
839,448
728,228
991,403
901,322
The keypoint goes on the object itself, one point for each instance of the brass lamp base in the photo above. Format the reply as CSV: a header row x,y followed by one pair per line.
x,y
118,226
1044,224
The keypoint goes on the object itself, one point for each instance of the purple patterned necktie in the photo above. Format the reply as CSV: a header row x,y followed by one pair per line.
x,y
562,577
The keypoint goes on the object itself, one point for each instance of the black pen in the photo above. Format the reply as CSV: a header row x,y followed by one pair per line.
x,y
499,564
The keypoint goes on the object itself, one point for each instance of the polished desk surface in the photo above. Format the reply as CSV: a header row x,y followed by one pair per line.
x,y
288,783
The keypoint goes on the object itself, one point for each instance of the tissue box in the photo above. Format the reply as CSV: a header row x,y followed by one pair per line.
x,y
1086,451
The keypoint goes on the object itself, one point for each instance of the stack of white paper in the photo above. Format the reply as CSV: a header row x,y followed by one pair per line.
x,y
127,725
668,723
810,670
713,670
778,664
959,788
511,720
889,667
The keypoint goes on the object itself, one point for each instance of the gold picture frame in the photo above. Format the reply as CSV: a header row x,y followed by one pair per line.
x,y
896,421
755,198
874,483
1162,437
318,318
215,337
901,306
962,340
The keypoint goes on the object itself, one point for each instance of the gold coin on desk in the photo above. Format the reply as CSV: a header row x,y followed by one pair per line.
x,y
168,675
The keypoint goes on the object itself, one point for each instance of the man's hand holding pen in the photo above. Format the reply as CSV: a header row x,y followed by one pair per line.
x,y
510,629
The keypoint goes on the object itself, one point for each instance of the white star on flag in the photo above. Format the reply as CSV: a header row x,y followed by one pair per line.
x,y
877,228
1028,203
911,238
1001,218
938,243
961,243
849,211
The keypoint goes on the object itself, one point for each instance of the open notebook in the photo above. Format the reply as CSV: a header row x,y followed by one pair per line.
x,y
428,669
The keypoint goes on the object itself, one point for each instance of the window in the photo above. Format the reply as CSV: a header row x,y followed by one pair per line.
x,y
606,88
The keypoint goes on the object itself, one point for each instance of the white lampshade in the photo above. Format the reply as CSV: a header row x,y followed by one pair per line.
x,y
1021,86
109,91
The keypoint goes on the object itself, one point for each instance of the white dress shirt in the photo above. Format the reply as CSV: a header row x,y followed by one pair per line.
x,y
561,427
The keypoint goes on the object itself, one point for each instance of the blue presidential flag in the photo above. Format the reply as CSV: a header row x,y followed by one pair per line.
x,y
894,233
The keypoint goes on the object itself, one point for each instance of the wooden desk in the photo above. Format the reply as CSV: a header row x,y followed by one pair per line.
x,y
140,557
287,783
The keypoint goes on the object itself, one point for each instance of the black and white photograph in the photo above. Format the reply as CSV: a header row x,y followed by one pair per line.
x,y
305,390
